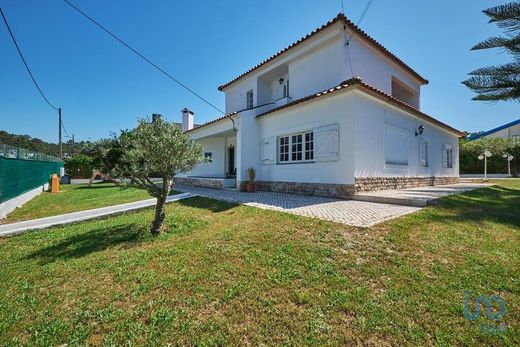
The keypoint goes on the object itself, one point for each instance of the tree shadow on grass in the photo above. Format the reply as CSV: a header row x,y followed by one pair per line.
x,y
96,240
495,204
208,204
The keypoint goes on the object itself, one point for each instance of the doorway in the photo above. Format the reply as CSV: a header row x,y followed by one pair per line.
x,y
231,162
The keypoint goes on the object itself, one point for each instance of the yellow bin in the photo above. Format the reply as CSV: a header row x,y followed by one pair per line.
x,y
55,184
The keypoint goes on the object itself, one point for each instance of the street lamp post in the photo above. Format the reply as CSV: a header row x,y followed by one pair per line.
x,y
508,157
484,156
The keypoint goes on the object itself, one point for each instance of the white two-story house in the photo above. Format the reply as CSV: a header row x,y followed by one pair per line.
x,y
332,114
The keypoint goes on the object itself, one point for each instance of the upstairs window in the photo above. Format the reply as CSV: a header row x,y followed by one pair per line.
x,y
208,157
296,148
423,153
403,92
249,99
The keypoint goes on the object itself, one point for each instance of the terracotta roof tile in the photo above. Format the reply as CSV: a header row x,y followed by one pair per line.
x,y
339,18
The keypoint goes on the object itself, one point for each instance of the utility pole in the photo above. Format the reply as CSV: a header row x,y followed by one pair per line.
x,y
59,133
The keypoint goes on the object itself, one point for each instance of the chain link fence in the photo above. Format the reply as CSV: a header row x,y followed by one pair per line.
x,y
13,152
22,170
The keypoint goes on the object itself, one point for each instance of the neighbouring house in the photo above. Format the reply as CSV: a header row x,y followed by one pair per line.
x,y
332,114
507,131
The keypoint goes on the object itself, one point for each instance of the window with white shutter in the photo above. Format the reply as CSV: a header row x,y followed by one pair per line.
x,y
269,151
423,152
447,156
326,143
396,146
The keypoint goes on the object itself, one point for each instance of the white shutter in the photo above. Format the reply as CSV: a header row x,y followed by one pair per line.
x,y
445,159
269,151
326,143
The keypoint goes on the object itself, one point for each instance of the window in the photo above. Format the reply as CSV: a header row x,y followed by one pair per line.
x,y
515,139
284,148
396,146
423,152
309,146
296,147
208,157
249,99
447,156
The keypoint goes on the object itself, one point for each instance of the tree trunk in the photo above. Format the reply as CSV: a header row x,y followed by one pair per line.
x,y
159,207
159,216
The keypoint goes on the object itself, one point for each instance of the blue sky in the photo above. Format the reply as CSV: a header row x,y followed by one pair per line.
x,y
103,87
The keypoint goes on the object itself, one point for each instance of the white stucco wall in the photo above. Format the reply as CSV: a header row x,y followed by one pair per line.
x,y
334,109
320,63
218,146
376,69
372,118
318,70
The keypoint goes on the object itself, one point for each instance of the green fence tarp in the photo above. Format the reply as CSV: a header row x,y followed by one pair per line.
x,y
18,176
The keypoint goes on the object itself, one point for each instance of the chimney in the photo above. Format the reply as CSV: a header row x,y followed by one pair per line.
x,y
187,119
155,117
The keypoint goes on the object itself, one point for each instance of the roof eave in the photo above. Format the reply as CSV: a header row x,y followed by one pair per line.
x,y
357,83
340,18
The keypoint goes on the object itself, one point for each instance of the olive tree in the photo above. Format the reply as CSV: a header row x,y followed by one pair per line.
x,y
157,149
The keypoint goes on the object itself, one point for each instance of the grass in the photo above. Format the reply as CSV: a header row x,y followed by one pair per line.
x,y
73,198
224,274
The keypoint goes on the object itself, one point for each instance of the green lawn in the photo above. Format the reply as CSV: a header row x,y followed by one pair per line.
x,y
235,275
75,197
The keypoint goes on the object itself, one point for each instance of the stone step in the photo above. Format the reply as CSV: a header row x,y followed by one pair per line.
x,y
393,200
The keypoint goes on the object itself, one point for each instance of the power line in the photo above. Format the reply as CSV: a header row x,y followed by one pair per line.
x,y
25,62
64,130
142,56
347,42
363,14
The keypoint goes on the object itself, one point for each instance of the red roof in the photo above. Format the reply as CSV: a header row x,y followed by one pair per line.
x,y
356,82
339,18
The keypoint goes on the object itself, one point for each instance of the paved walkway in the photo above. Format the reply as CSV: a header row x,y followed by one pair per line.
x,y
419,197
350,212
356,213
41,223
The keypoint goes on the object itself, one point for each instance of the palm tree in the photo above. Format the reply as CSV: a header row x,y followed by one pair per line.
x,y
500,82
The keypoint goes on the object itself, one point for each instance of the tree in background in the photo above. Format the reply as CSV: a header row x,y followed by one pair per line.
x,y
500,82
470,150
79,166
157,148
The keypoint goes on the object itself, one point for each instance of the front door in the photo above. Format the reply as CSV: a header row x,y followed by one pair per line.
x,y
231,162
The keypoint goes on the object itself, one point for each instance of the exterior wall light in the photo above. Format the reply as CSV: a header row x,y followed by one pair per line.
x,y
419,130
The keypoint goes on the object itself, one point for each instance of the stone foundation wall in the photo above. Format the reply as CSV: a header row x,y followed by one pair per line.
x,y
198,182
367,184
317,189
